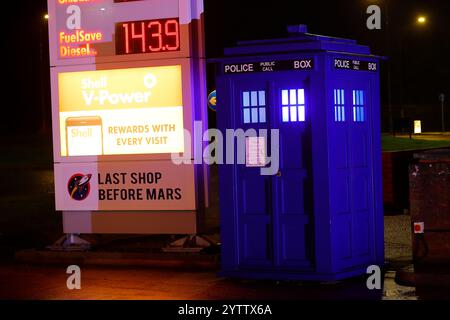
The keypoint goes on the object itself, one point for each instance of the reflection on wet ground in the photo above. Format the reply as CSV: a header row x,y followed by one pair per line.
x,y
29,220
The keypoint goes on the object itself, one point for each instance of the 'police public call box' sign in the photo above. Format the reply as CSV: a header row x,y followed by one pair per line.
x,y
269,66
127,82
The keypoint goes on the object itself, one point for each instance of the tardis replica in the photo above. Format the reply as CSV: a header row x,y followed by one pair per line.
x,y
319,216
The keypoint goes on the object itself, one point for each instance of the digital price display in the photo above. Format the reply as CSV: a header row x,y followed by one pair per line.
x,y
147,36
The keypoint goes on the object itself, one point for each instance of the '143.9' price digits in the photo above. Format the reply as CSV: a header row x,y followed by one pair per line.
x,y
149,36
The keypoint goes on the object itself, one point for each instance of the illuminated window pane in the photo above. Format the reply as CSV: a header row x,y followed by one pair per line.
x,y
254,115
285,114
285,97
246,99
262,98
301,114
358,106
251,100
301,96
262,115
358,97
254,98
293,97
339,105
293,114
293,105
247,115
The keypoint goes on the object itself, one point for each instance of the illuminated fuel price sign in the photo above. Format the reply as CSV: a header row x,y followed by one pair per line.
x,y
147,36
105,31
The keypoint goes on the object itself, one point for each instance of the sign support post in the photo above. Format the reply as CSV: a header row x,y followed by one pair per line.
x,y
442,100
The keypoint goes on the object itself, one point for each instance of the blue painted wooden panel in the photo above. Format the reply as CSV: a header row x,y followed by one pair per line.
x,y
293,188
353,185
274,213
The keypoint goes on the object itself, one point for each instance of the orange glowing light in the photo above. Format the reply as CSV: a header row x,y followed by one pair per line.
x,y
79,43
422,20
80,36
82,51
63,2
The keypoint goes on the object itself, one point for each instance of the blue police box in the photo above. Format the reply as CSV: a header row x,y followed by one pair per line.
x,y
320,216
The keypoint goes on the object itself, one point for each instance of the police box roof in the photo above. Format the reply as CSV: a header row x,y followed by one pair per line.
x,y
298,41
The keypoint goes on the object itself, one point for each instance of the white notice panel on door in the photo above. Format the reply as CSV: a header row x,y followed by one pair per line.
x,y
256,154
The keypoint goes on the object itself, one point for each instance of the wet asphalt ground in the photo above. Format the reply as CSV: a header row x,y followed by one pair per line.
x,y
28,220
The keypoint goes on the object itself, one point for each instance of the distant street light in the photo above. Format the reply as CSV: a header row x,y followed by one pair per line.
x,y
46,16
422,20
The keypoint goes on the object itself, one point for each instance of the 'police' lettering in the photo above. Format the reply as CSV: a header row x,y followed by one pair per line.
x,y
342,64
239,68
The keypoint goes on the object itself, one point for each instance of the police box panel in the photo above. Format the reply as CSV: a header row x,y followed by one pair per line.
x,y
274,214
354,146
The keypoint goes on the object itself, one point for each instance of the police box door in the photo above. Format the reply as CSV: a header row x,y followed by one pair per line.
x,y
274,212
352,170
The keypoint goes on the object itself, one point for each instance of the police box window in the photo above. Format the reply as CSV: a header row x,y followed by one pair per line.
x,y
339,105
359,112
293,105
254,106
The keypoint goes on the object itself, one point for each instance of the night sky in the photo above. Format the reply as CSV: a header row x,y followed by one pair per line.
x,y
420,54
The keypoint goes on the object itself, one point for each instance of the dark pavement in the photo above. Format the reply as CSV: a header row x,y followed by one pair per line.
x,y
25,282
49,283
28,221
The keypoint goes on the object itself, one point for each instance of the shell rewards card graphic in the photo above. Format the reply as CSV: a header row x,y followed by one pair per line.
x,y
121,112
